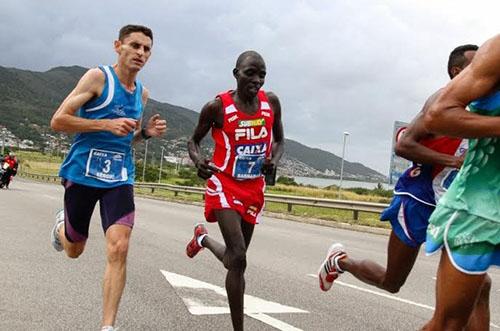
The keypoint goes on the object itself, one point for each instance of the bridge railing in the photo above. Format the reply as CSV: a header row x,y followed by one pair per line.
x,y
289,200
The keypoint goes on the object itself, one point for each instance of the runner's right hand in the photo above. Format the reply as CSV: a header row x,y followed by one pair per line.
x,y
121,126
205,170
459,160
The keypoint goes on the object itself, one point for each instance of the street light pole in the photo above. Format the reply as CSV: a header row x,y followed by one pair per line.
x,y
3,142
161,164
144,164
342,163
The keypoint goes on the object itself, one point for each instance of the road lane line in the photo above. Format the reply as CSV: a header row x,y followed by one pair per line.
x,y
276,323
388,296
199,303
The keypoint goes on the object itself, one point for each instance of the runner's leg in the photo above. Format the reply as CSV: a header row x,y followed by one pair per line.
x,y
247,229
73,250
230,224
79,204
400,261
214,246
480,316
117,243
219,249
117,215
456,295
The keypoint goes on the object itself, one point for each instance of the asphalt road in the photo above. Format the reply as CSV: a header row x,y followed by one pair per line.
x,y
41,289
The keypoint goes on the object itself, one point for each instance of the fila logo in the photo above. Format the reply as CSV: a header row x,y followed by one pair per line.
x,y
232,118
250,133
266,114
252,210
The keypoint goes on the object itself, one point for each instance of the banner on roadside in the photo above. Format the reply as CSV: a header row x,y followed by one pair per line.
x,y
398,164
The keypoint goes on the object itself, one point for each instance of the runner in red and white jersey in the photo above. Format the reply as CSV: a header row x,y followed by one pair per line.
x,y
426,182
241,147
443,175
243,134
248,134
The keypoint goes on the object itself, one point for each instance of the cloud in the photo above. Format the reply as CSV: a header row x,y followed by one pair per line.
x,y
337,66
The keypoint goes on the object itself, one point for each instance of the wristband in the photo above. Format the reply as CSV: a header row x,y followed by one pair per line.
x,y
144,135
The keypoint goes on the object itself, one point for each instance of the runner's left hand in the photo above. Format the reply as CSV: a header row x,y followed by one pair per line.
x,y
268,167
155,126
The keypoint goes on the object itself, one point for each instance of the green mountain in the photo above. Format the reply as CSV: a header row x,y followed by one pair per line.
x,y
28,99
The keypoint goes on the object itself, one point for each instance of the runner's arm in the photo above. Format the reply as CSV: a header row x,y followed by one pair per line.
x,y
448,116
210,115
155,126
88,87
278,146
137,133
409,147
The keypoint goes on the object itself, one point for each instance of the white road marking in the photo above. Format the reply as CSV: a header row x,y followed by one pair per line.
x,y
388,296
201,303
385,295
276,323
51,197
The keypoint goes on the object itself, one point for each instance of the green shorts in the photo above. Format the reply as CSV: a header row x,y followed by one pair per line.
x,y
471,242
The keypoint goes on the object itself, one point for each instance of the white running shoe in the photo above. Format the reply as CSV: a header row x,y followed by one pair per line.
x,y
329,269
54,234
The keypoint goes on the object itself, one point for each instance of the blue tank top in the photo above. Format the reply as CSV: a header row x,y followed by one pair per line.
x,y
102,159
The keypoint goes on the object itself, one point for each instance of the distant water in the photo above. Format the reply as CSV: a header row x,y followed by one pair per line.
x,y
324,182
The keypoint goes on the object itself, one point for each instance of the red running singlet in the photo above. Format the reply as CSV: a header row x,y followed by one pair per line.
x,y
241,147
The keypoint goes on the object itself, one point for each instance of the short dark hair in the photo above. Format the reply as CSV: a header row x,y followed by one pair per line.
x,y
457,56
131,28
247,54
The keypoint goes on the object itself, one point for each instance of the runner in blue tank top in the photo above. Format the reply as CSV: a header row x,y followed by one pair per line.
x,y
105,111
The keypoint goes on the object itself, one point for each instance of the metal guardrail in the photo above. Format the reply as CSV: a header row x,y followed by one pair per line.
x,y
289,200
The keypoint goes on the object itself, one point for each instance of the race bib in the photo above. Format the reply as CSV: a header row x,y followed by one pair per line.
x,y
107,166
248,166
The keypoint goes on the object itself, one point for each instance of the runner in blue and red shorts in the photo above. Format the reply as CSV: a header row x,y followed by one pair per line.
x,y
436,160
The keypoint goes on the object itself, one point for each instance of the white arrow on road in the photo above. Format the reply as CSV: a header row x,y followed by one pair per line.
x,y
203,298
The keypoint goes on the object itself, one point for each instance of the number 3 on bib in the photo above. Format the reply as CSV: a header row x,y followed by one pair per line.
x,y
107,166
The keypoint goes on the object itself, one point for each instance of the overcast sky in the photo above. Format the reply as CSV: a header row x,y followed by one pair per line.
x,y
343,65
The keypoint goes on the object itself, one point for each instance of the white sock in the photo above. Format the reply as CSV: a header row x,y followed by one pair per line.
x,y
200,239
336,262
108,328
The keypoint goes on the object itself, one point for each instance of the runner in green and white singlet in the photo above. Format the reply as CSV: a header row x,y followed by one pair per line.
x,y
466,221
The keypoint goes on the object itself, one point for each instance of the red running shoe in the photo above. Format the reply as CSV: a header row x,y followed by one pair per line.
x,y
193,247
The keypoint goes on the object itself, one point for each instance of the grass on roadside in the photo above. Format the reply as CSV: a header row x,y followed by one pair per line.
x,y
328,214
46,164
